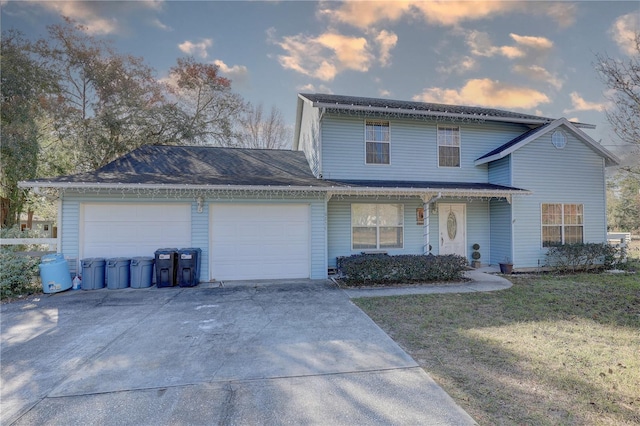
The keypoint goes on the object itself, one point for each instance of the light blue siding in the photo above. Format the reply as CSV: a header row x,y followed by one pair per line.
x,y
70,229
574,174
319,265
309,138
501,231
500,171
478,229
339,227
200,236
413,150
200,227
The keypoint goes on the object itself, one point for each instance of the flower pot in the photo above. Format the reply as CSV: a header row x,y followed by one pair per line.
x,y
506,268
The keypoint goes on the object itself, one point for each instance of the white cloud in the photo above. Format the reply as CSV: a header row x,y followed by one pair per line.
x,y
366,14
386,40
97,18
485,92
624,30
159,24
579,104
480,45
539,43
87,14
196,49
323,56
384,93
538,73
310,88
238,73
458,66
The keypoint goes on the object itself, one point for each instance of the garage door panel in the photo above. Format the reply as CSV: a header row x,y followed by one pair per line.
x,y
114,230
260,241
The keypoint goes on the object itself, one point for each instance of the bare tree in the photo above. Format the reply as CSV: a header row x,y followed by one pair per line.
x,y
267,131
623,78
210,107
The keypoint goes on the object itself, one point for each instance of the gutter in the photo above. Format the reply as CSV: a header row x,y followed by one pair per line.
x,y
442,114
331,190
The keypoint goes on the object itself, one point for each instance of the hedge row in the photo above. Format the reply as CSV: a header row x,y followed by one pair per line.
x,y
582,256
368,269
18,274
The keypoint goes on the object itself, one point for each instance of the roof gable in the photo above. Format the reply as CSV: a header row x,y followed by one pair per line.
x,y
531,135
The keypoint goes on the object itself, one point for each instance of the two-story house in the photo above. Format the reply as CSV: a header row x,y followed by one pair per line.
x,y
364,175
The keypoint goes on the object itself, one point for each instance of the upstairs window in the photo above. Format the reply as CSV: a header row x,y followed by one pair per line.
x,y
562,224
377,142
448,146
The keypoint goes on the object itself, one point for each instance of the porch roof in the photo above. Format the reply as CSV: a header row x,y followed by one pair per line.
x,y
425,189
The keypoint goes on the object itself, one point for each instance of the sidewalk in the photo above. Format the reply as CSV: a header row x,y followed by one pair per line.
x,y
482,279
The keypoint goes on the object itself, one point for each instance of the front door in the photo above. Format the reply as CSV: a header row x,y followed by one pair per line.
x,y
453,228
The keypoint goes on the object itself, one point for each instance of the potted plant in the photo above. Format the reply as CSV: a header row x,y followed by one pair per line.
x,y
506,266
476,256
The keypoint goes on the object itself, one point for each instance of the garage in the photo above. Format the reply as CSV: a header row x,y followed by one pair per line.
x,y
133,229
259,241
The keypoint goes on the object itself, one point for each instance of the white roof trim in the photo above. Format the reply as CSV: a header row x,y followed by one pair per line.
x,y
483,117
609,156
330,190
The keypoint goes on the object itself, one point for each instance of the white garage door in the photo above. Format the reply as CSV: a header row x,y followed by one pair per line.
x,y
126,230
259,241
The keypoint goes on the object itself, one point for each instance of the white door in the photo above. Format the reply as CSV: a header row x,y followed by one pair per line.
x,y
131,229
453,228
259,241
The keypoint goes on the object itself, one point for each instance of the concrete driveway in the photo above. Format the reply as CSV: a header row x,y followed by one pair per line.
x,y
294,352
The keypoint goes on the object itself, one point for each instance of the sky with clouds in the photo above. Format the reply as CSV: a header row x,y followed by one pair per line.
x,y
534,57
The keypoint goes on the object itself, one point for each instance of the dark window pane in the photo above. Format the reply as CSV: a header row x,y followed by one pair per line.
x,y
449,156
364,238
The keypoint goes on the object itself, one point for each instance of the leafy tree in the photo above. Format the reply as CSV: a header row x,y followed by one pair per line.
x,y
24,83
623,198
108,104
623,78
207,101
258,130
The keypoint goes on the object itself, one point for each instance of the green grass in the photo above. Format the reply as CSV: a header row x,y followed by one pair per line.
x,y
550,350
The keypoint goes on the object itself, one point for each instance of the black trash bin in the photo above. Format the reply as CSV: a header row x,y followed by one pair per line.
x,y
189,266
166,267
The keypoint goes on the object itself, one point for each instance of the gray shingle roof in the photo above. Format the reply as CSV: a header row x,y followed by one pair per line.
x,y
427,185
236,167
515,141
340,101
202,165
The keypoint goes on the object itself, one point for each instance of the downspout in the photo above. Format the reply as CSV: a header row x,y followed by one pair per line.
x,y
426,207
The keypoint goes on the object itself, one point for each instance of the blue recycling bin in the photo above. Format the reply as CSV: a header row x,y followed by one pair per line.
x,y
166,267
93,273
54,273
189,267
142,272
118,273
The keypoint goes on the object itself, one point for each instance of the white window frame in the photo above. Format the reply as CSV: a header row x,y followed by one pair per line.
x,y
440,137
378,226
563,226
559,139
367,141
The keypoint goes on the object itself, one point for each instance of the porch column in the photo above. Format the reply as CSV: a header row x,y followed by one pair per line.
x,y
427,200
426,249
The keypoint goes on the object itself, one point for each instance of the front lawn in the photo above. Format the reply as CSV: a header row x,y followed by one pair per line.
x,y
550,350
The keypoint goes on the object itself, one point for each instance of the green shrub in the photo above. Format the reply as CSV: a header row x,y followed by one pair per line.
x,y
582,256
18,274
367,269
